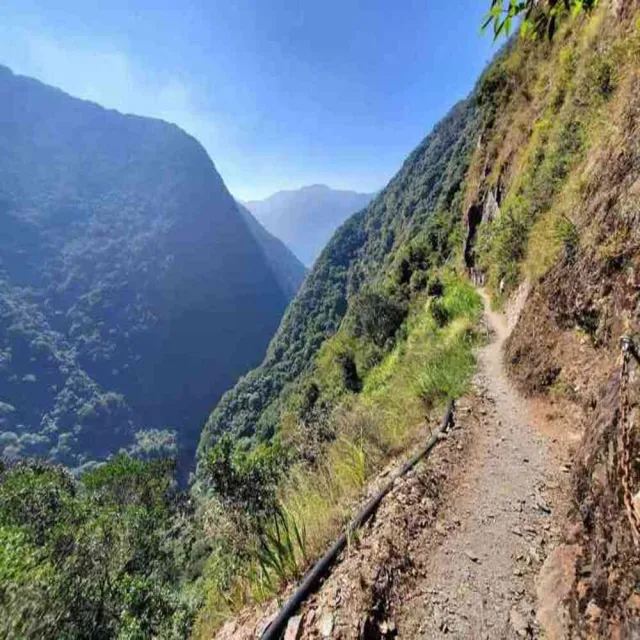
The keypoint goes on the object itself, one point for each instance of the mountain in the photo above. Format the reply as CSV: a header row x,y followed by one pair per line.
x,y
130,283
421,204
289,271
531,187
305,219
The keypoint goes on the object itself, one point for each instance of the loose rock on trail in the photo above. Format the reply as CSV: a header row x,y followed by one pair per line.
x,y
481,574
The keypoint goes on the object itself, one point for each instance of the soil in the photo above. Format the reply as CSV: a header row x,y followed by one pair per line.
x,y
511,505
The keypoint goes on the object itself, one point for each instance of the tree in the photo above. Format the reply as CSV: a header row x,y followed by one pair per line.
x,y
91,557
377,317
539,17
245,481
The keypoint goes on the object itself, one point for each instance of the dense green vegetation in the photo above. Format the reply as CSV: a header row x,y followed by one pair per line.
x,y
102,556
288,270
129,282
541,145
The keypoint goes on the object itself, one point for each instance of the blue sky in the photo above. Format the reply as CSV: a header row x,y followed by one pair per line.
x,y
281,93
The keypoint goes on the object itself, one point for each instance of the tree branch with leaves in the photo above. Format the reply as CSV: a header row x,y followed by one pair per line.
x,y
539,18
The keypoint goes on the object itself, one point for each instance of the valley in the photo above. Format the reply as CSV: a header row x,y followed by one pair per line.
x,y
116,233
189,417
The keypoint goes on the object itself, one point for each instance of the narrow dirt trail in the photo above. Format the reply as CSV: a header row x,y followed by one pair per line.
x,y
479,579
454,550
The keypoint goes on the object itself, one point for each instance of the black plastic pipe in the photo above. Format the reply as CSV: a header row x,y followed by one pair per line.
x,y
277,627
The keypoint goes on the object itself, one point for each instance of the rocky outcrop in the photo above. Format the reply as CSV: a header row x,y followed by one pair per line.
x,y
477,213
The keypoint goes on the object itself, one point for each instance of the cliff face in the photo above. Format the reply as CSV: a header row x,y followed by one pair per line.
x,y
132,292
564,156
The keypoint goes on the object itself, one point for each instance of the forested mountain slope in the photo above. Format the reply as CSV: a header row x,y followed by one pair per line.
x,y
289,271
129,282
405,229
305,219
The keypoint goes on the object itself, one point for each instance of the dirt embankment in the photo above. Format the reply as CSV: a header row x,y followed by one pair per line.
x,y
566,346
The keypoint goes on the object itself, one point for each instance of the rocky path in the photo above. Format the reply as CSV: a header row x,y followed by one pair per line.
x,y
480,578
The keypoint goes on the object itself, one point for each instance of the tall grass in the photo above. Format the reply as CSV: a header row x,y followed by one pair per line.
x,y
282,548
445,368
385,420
433,365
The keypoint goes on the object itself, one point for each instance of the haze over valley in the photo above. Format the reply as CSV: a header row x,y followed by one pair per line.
x,y
306,218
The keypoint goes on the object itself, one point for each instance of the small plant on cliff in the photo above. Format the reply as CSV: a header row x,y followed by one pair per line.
x,y
567,234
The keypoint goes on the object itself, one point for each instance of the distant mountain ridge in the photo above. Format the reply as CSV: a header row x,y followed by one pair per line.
x,y
289,271
305,219
130,283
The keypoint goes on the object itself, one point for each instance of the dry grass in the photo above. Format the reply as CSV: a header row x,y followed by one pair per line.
x,y
545,143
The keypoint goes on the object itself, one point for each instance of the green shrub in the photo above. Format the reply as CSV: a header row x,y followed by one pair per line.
x,y
350,378
282,547
460,299
537,19
446,367
245,481
376,317
603,76
440,313
94,559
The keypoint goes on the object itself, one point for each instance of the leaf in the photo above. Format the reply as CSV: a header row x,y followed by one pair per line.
x,y
488,20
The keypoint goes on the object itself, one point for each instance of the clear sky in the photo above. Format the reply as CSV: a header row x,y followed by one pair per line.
x,y
282,93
